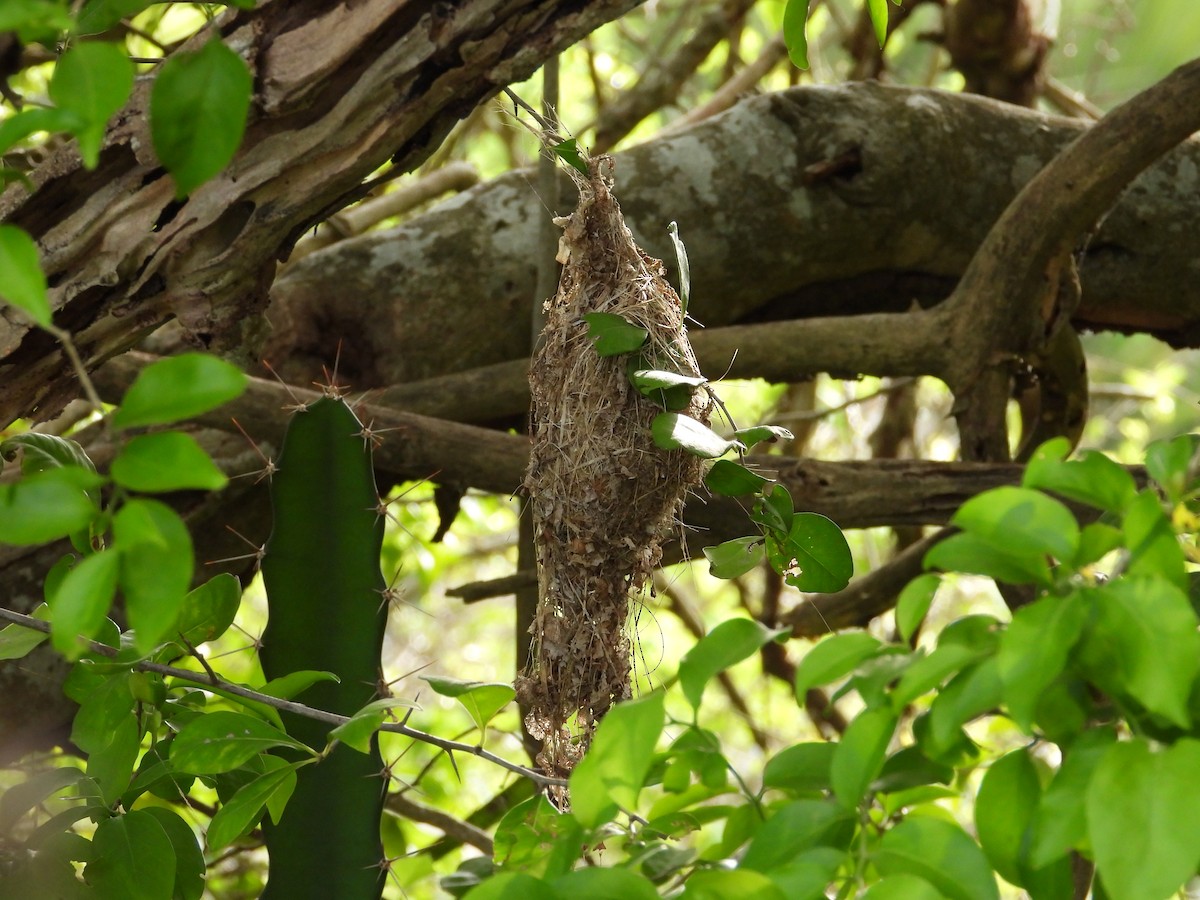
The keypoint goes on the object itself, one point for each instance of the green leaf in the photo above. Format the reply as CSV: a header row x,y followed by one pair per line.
x,y
675,431
209,610
1004,811
595,883
357,731
833,659
43,452
104,702
903,887
1141,815
801,767
22,282
859,755
45,506
1023,521
156,568
92,80
732,479
481,699
721,884
34,14
685,270
815,556
757,434
1153,546
978,556
291,685
1093,479
1061,822
97,16
795,20
1034,650
878,10
510,886
111,765
940,853
734,558
29,794
1095,541
614,769
222,741
189,861
17,641
198,110
774,511
81,603
178,388
133,859
914,603
613,335
647,381
568,152
975,690
239,813
792,829
1143,642
1169,463
31,120
167,461
729,643
959,645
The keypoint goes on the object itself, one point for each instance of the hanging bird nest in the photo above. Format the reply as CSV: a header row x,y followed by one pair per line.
x,y
603,495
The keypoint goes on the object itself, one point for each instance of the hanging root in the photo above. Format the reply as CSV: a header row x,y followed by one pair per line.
x,y
603,495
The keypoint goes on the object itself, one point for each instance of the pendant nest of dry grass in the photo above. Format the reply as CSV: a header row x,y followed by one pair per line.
x,y
603,495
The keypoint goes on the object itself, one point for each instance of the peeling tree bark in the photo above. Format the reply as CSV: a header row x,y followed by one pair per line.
x,y
340,89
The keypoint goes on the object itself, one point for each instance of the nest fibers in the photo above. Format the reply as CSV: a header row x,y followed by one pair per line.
x,y
604,496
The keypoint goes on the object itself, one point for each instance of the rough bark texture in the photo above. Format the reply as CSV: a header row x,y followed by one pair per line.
x,y
340,88
935,172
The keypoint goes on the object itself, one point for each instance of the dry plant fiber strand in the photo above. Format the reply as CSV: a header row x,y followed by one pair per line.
x,y
603,495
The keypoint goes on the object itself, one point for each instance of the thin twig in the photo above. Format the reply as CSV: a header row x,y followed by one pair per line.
x,y
291,706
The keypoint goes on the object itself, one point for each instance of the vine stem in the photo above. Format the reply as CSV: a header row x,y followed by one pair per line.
x,y
292,706
85,380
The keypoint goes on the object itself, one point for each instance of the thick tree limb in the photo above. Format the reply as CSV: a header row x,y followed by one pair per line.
x,y
340,89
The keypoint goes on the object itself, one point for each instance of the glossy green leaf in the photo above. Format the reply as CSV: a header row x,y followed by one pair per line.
x,y
614,769
729,643
358,730
759,434
791,829
732,479
903,887
914,603
1034,650
815,556
166,461
27,795
1143,642
43,452
293,684
22,282
1093,479
209,609
734,558
1096,540
16,641
189,860
977,556
774,511
1023,521
1153,546
833,659
239,813
613,335
156,568
481,699
1141,815
1004,810
878,10
222,741
568,152
940,853
48,505
597,883
35,14
975,690
104,702
961,644
133,859
178,388
721,884
649,380
681,261
81,603
198,109
510,886
111,765
859,755
795,21
675,431
92,80
801,767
